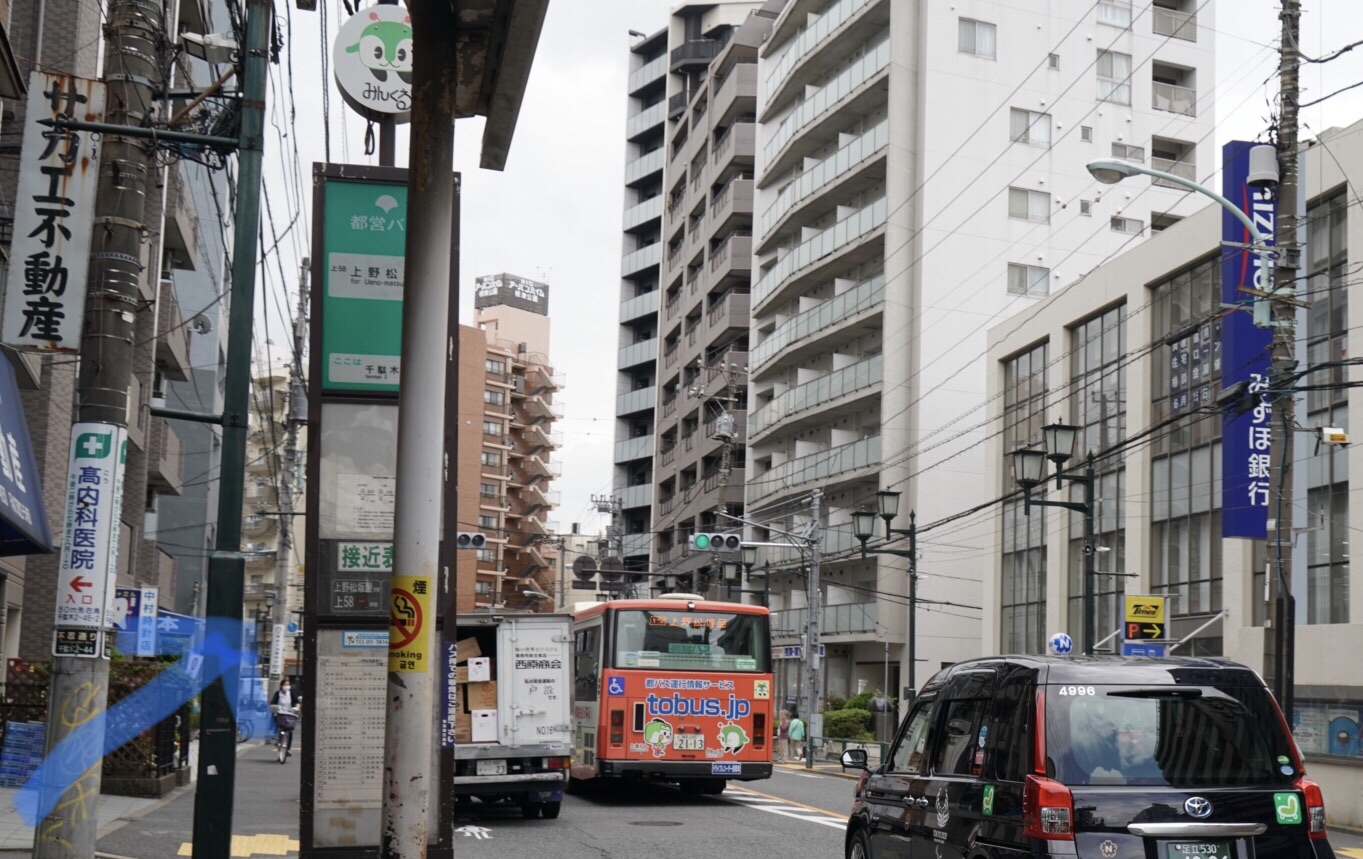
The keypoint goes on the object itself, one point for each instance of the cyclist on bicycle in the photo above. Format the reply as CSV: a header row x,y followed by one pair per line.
x,y
284,705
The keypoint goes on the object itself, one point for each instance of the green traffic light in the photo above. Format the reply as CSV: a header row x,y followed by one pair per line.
x,y
702,541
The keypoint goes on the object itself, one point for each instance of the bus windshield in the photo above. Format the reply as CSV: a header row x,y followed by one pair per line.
x,y
691,640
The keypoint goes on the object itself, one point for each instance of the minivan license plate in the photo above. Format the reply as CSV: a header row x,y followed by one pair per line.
x,y
1198,850
499,768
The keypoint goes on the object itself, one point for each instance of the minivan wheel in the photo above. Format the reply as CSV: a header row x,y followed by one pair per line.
x,y
858,847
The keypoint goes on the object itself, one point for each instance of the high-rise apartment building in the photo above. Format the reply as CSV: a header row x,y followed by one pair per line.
x,y
921,177
507,378
636,390
705,275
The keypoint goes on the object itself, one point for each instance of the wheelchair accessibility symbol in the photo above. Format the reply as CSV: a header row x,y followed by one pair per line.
x,y
616,686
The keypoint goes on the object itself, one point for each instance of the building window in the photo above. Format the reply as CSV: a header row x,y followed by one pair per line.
x,y
1127,152
1023,604
492,365
1028,126
1098,360
1032,280
1327,480
482,589
1115,13
1185,508
1161,221
488,490
1086,207
1114,77
486,554
1053,62
1029,205
1127,225
1085,134
976,37
489,522
1024,398
492,457
492,428
491,397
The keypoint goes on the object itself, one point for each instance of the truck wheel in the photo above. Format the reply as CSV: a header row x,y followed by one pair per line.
x,y
550,810
530,810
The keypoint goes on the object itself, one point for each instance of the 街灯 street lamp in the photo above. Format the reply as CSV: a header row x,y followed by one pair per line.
x,y
1029,471
863,526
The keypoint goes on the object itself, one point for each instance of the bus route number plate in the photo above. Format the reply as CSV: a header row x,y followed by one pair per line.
x,y
726,769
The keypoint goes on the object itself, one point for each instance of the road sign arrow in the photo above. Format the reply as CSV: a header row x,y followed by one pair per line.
x,y
1154,631
79,584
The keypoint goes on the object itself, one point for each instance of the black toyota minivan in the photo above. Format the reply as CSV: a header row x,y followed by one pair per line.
x,y
1096,757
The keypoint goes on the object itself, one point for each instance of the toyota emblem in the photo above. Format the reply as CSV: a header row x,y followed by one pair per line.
x,y
1197,807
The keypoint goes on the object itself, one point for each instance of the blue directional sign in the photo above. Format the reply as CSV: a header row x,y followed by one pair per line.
x,y
1143,648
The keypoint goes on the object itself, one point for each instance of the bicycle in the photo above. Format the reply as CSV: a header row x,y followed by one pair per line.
x,y
285,719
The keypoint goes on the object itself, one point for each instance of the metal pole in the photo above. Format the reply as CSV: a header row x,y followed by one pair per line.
x,y
79,691
388,126
1089,552
428,346
1283,319
913,604
226,566
812,629
283,554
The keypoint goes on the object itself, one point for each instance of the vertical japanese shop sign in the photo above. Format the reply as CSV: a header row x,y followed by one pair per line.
x,y
1246,354
94,490
54,210
363,251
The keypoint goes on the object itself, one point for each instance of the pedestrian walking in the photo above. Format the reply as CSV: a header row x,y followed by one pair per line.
x,y
783,737
797,735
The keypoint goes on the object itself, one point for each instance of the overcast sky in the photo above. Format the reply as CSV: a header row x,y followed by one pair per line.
x,y
555,213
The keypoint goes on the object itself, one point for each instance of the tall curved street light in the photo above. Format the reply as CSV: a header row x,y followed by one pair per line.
x,y
1110,171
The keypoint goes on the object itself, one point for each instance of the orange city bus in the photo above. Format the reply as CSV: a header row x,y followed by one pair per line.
x,y
674,689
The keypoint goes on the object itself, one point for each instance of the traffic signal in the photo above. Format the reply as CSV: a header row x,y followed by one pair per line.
x,y
469,540
716,542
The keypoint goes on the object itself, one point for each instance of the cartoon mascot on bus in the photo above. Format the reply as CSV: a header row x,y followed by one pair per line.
x,y
658,735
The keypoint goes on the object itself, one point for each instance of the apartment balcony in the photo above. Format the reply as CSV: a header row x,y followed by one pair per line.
x,y
645,120
633,545
259,492
693,54
639,400
669,359
1174,99
673,305
1173,23
634,448
533,525
858,618
642,352
821,46
857,88
181,226
639,306
645,166
640,495
727,314
737,143
1182,169
804,334
641,213
847,169
648,74
257,526
676,104
537,439
732,258
849,241
638,260
812,398
836,540
731,204
736,96
841,464
172,345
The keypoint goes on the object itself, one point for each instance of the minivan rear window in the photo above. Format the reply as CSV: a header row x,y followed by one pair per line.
x,y
1184,736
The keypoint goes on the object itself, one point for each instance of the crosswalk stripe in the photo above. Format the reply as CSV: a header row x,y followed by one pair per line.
x,y
783,808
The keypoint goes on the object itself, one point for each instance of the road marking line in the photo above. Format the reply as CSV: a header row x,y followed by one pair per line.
x,y
833,814
245,846
1352,852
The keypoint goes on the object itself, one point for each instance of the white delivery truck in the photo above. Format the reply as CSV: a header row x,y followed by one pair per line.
x,y
513,732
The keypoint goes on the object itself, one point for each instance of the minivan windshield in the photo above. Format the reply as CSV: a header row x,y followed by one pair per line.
x,y
1198,736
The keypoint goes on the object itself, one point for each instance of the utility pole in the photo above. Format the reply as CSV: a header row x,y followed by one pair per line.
x,y
814,712
726,429
428,349
101,416
1284,364
297,415
217,774
913,605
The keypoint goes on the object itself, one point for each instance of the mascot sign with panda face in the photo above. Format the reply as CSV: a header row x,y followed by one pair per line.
x,y
372,58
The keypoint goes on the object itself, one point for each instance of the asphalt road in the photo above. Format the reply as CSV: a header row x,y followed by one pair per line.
x,y
795,815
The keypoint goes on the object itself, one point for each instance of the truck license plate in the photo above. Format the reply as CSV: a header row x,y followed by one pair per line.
x,y
491,767
689,742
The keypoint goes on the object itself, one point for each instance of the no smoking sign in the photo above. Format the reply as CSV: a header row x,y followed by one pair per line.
x,y
408,607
